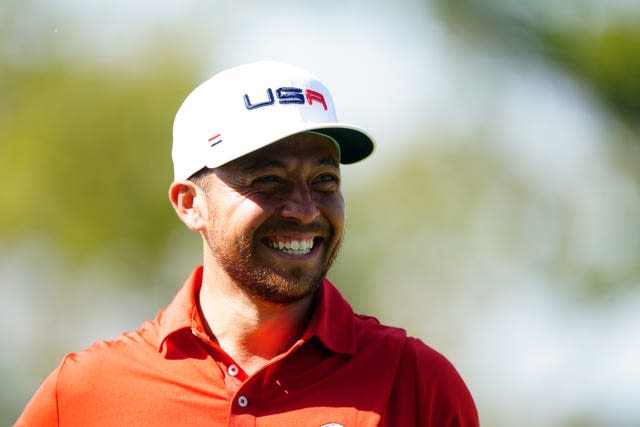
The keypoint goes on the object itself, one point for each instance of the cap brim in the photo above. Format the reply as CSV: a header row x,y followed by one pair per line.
x,y
355,143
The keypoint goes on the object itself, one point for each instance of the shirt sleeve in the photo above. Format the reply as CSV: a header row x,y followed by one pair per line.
x,y
428,391
42,409
443,397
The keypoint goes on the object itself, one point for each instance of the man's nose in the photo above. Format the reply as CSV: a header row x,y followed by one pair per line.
x,y
299,205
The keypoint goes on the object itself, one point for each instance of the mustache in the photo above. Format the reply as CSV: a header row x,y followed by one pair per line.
x,y
284,227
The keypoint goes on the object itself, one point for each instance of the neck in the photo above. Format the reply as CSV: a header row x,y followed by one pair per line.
x,y
250,330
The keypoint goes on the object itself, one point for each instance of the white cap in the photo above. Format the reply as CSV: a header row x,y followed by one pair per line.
x,y
245,108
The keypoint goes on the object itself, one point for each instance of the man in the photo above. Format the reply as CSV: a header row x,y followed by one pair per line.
x,y
258,335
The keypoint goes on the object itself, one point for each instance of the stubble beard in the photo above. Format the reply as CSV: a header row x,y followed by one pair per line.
x,y
278,286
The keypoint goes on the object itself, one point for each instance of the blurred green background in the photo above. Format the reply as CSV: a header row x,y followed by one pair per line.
x,y
498,219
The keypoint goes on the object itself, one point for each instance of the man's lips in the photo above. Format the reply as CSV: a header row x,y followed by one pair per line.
x,y
293,245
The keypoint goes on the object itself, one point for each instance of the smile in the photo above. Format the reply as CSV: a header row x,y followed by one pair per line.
x,y
292,247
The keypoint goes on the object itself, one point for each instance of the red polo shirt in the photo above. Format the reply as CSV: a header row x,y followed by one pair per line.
x,y
346,369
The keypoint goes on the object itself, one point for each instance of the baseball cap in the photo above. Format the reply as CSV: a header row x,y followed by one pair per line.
x,y
250,106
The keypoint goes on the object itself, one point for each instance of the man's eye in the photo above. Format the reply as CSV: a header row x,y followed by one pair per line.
x,y
327,181
327,177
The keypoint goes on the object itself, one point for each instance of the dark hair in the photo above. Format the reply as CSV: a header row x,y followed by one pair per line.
x,y
198,177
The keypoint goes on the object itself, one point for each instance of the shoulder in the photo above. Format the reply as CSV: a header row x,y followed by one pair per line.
x,y
105,360
377,340
426,387
426,360
370,328
432,367
414,354
83,377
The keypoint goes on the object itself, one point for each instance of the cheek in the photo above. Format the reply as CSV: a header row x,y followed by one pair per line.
x,y
247,216
231,207
335,211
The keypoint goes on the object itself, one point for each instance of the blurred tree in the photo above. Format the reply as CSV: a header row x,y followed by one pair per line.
x,y
453,216
597,44
85,141
86,153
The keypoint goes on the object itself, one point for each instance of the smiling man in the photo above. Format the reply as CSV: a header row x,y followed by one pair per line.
x,y
258,335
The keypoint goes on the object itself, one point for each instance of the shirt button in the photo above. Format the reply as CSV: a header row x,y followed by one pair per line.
x,y
233,370
243,401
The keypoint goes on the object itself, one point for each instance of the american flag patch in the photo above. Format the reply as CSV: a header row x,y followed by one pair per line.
x,y
215,140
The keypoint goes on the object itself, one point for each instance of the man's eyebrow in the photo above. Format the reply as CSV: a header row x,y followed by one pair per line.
x,y
329,161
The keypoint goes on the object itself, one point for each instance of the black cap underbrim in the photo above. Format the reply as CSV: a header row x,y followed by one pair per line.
x,y
355,145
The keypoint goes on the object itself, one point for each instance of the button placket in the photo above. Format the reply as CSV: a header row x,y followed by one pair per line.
x,y
232,370
243,401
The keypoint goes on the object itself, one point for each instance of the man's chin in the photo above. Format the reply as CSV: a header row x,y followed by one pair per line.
x,y
278,282
287,290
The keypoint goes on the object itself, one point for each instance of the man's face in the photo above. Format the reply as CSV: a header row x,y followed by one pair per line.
x,y
276,217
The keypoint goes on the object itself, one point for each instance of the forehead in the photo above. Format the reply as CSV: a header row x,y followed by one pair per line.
x,y
303,148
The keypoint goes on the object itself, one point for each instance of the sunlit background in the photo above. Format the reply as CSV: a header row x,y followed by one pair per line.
x,y
498,219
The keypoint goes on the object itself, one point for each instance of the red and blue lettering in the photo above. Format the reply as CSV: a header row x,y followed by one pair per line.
x,y
288,95
312,96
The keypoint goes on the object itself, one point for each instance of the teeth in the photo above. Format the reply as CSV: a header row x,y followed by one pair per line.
x,y
293,247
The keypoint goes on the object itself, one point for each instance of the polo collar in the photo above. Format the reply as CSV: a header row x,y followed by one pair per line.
x,y
182,312
332,321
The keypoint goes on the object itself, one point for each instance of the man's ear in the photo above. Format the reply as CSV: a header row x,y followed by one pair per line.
x,y
185,198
